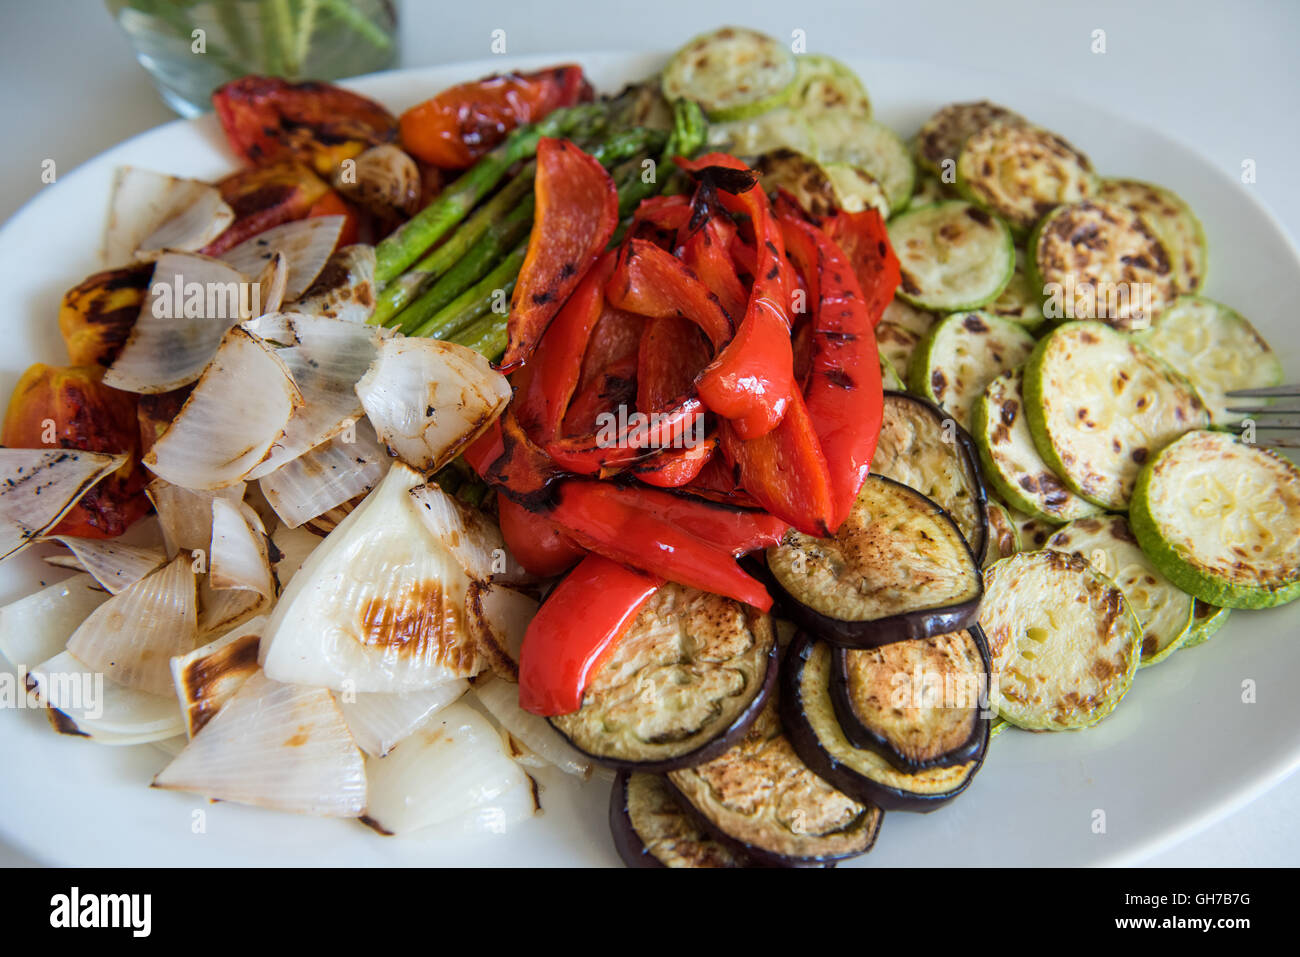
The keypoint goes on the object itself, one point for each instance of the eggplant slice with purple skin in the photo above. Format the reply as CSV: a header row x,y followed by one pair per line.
x,y
815,733
918,704
925,448
762,800
651,829
896,570
681,685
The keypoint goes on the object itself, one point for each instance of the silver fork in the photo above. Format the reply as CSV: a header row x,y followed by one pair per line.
x,y
1272,416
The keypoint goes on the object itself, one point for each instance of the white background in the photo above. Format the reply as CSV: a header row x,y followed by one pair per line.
x,y
1224,78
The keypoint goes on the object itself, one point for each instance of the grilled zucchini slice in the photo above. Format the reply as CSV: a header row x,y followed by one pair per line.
x,y
930,190
825,85
890,380
856,189
1221,519
943,134
953,256
1216,348
845,137
1099,260
1206,621
898,568
1011,461
1020,301
680,686
997,726
1099,406
1172,220
1004,536
961,355
1163,609
733,73
762,799
651,829
1022,172
1032,533
781,128
901,328
917,448
820,190
1063,640
814,730
915,703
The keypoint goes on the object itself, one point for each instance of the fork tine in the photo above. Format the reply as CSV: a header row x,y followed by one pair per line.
x,y
1284,391
1260,409
1278,444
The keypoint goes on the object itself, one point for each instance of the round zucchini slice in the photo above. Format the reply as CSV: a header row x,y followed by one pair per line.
x,y
1206,621
961,355
953,256
1221,519
1032,533
1022,172
889,377
1216,348
1099,406
1162,608
943,134
997,727
762,799
898,568
1011,461
845,137
1100,260
1020,301
651,829
815,732
826,85
900,330
680,686
733,73
930,190
781,128
1172,220
920,446
820,190
915,703
1064,641
856,189
1004,536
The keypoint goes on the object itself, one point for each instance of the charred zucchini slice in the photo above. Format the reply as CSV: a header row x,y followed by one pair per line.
x,y
889,377
943,134
781,128
1021,172
1011,461
1163,610
1100,260
1099,405
1221,519
1020,301
920,446
953,255
915,703
816,734
900,330
651,829
826,85
1206,621
845,137
760,798
1216,348
681,685
820,190
1172,220
898,568
733,73
961,355
1032,533
1004,536
1063,640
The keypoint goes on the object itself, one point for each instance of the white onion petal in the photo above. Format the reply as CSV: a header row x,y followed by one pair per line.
x,y
38,486
328,476
151,211
221,610
501,699
209,676
239,557
472,537
429,399
38,626
83,703
236,412
272,282
497,619
113,564
276,746
130,637
380,721
305,243
186,514
345,288
292,546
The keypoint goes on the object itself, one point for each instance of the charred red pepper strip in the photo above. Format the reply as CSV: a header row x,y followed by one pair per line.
x,y
577,211
535,541
575,629
620,527
845,403
716,482
785,470
865,243
671,355
655,283
463,122
486,449
613,387
706,252
627,439
673,468
525,471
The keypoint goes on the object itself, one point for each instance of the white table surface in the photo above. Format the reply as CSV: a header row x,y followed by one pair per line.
x,y
1222,77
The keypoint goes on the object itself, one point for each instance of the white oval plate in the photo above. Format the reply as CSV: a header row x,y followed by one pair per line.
x,y
1182,750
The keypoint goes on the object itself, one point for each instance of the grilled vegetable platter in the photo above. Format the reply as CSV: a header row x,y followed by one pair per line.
x,y
706,440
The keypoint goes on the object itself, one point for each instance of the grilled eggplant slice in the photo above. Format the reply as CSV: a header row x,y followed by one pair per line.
x,y
923,448
897,569
761,799
1004,536
651,829
681,685
815,732
915,703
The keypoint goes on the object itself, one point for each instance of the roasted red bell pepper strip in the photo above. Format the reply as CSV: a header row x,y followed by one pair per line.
x,y
267,119
785,470
614,387
265,196
652,282
575,629
671,354
673,468
662,214
332,204
535,541
865,242
524,471
615,340
629,438
716,482
577,211
486,449
461,123
707,253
